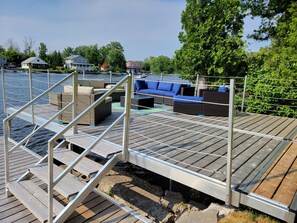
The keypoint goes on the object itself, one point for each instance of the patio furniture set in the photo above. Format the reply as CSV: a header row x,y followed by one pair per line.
x,y
147,93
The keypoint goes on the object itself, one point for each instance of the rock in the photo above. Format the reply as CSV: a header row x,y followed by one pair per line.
x,y
195,206
208,216
173,201
168,219
222,209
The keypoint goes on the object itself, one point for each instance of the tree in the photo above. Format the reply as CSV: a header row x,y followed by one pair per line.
x,y
12,56
42,51
68,51
116,60
28,45
12,45
271,13
161,64
55,59
211,40
274,88
2,49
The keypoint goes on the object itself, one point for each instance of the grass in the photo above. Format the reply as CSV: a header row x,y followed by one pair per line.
x,y
247,217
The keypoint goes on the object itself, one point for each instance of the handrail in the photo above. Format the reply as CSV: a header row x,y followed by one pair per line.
x,y
95,104
50,153
87,150
11,116
42,126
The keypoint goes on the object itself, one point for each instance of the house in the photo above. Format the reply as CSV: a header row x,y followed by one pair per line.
x,y
77,62
105,66
36,63
133,66
2,61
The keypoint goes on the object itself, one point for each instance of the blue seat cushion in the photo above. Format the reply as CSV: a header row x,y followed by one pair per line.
x,y
152,85
176,88
168,94
140,84
156,92
222,89
187,99
145,91
164,86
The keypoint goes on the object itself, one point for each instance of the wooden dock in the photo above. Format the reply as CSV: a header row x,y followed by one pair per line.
x,y
192,150
95,208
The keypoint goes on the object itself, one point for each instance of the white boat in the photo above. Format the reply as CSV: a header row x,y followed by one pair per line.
x,y
138,76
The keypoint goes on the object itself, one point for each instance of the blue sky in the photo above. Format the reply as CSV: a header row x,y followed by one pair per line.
x,y
144,27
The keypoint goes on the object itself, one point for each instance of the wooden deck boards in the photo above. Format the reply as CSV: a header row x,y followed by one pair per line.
x,y
196,144
12,210
279,182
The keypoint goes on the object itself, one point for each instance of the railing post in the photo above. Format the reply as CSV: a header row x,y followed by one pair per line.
x,y
230,144
243,93
48,83
126,126
50,181
31,92
74,98
110,76
197,86
6,156
3,91
161,77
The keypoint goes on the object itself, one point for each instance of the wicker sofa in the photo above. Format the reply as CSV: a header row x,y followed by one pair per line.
x,y
86,97
100,87
208,103
163,92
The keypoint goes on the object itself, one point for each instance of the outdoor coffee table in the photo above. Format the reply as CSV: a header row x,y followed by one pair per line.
x,y
139,102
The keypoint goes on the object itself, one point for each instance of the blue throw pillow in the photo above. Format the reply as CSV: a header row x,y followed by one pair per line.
x,y
176,88
163,86
222,89
140,84
152,85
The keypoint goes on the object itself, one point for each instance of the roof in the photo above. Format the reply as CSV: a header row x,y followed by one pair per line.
x,y
133,64
72,57
34,60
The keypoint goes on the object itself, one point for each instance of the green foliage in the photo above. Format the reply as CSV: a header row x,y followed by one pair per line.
x,y
212,44
12,56
55,59
161,64
270,94
116,60
42,51
271,13
68,51
274,88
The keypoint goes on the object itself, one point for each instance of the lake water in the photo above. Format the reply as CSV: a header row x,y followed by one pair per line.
x,y
18,93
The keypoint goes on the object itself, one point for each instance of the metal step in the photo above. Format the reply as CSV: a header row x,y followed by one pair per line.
x,y
86,166
69,186
103,148
34,198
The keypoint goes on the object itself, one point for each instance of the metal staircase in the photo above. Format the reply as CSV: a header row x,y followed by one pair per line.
x,y
53,172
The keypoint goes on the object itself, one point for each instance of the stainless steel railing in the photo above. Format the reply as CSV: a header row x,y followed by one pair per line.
x,y
126,116
7,120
